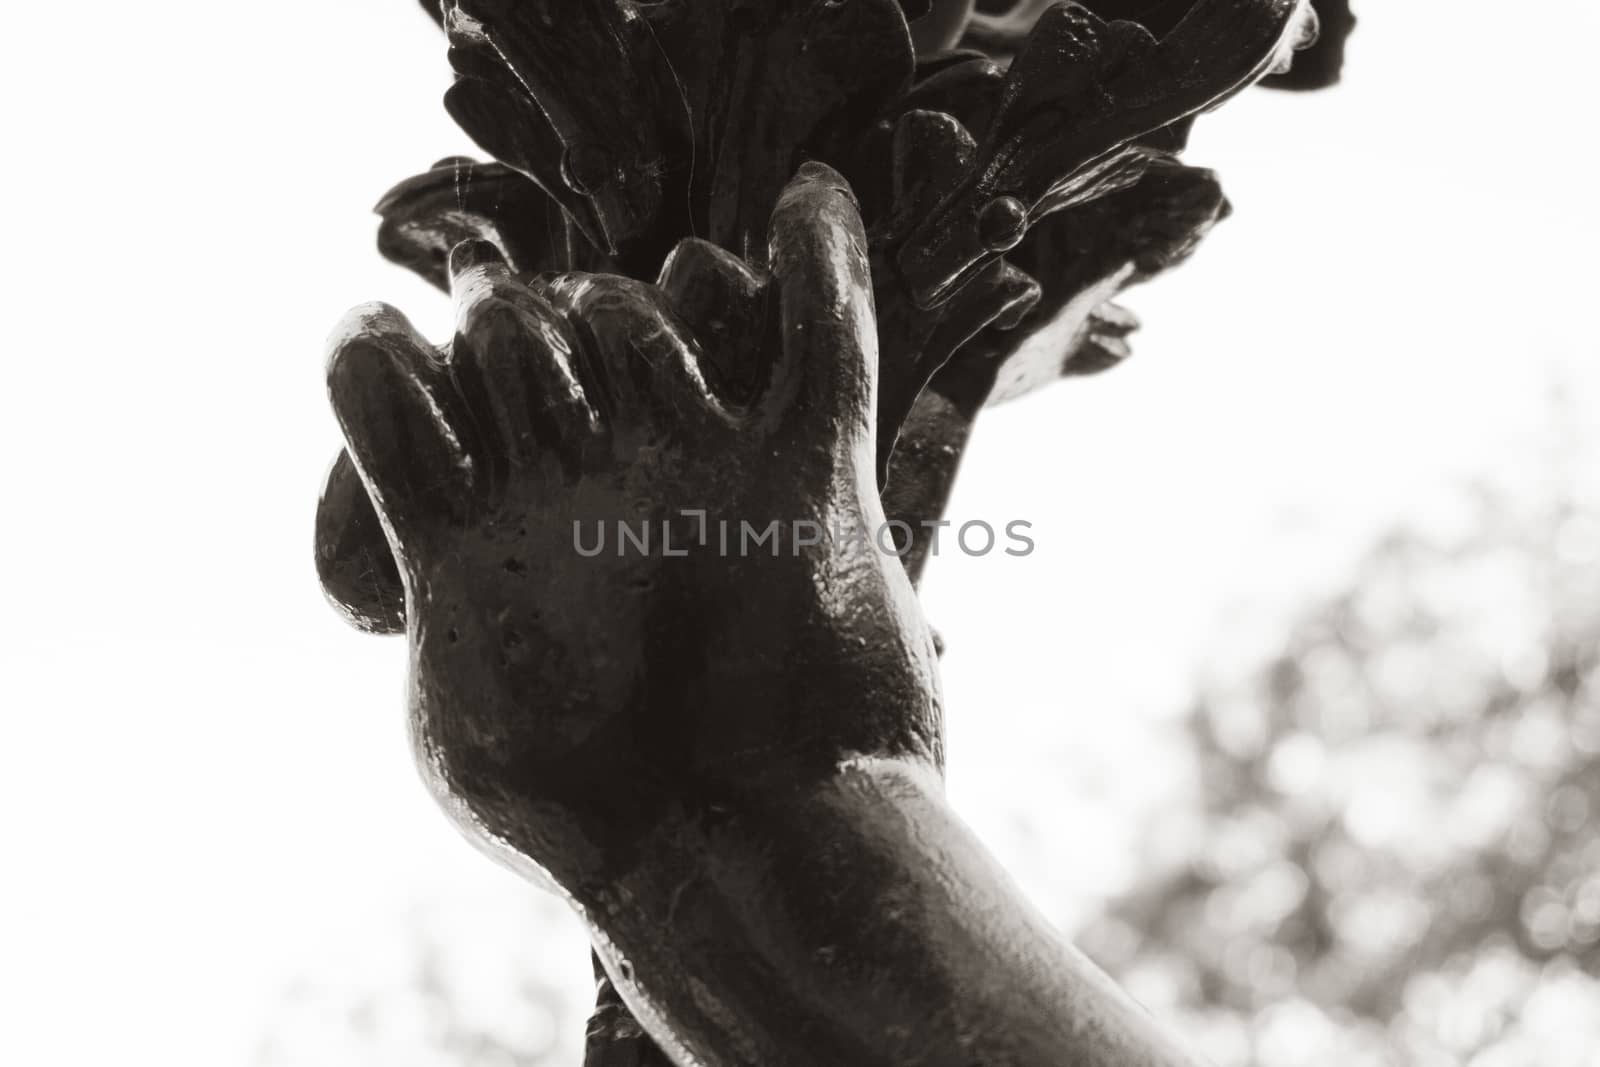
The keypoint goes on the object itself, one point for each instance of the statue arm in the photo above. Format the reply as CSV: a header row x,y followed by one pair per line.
x,y
855,919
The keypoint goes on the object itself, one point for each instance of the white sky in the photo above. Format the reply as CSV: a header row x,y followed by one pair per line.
x,y
207,788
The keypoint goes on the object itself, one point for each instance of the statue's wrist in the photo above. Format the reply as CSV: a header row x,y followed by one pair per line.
x,y
856,910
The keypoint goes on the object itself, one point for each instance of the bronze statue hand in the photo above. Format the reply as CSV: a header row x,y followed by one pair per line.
x,y
640,557
726,754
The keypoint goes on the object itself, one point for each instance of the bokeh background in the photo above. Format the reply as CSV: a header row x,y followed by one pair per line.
x,y
1293,719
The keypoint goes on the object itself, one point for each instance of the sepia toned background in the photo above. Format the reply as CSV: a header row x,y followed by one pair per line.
x,y
1293,718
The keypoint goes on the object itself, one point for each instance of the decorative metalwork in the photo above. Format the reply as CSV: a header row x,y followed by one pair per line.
x,y
759,262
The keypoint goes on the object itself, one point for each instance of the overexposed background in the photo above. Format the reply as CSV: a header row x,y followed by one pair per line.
x,y
216,850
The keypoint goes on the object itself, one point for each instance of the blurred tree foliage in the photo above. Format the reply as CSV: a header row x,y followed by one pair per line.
x,y
479,982
1394,857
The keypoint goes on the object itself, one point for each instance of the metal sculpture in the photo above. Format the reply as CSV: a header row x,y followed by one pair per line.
x,y
753,265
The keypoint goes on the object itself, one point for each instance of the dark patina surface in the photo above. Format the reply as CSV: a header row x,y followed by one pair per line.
x,y
765,270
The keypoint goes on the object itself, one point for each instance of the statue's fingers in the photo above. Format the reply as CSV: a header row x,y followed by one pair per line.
x,y
721,299
643,363
394,404
354,561
818,251
513,359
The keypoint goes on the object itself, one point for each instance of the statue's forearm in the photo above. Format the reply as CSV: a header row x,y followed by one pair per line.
x,y
854,921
